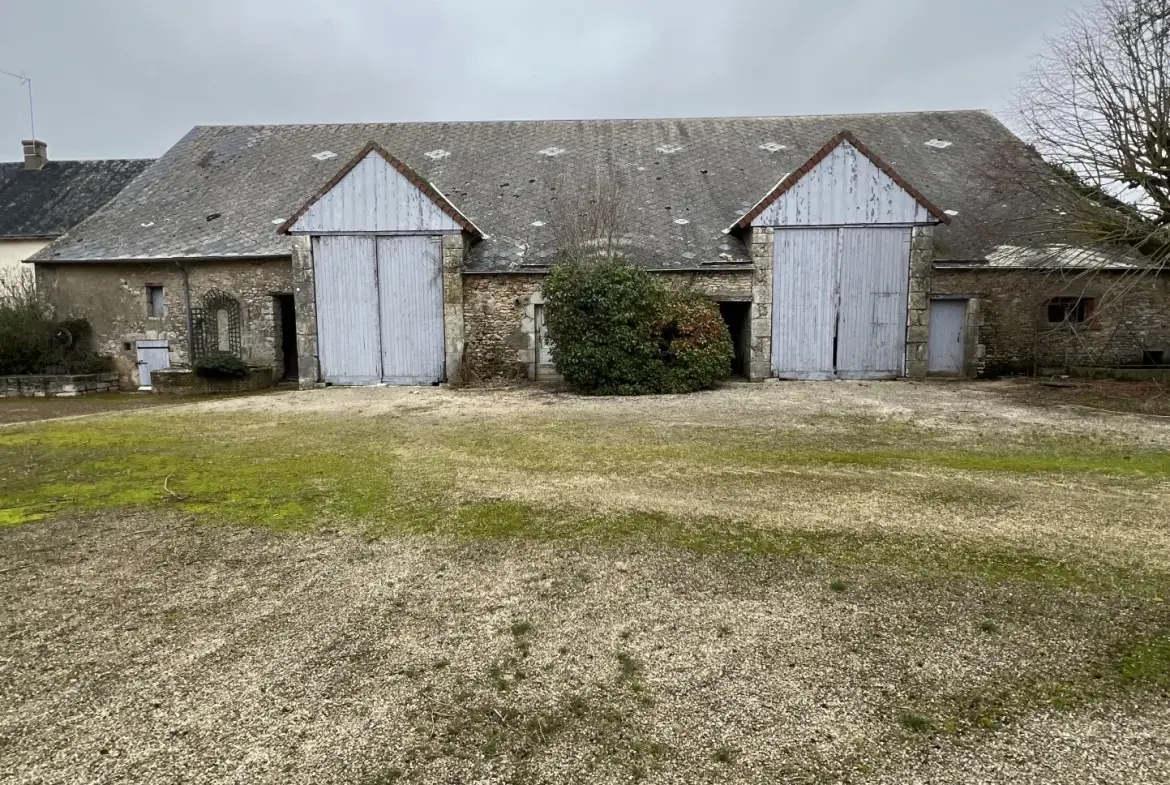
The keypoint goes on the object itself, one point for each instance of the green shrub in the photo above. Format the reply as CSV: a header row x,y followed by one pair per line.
x,y
221,365
97,363
600,318
31,342
616,331
694,343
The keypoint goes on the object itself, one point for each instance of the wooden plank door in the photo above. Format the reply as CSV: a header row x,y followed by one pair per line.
x,y
153,355
345,268
804,302
875,284
948,336
410,291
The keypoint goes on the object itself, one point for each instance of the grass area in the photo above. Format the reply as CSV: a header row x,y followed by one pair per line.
x,y
842,485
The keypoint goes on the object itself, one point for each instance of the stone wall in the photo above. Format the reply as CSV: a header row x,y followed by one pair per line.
x,y
1014,335
499,324
499,338
57,385
761,246
182,381
918,311
305,302
112,296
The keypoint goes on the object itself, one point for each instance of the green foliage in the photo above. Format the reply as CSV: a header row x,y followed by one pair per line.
x,y
98,363
601,318
221,365
617,331
31,342
694,343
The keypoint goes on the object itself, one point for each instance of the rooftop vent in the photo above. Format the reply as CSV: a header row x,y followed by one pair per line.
x,y
36,154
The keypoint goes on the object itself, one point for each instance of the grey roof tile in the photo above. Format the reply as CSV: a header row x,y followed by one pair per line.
x,y
48,201
496,174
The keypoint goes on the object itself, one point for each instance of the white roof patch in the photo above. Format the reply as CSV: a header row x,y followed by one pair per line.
x,y
951,213
325,155
669,149
435,155
552,151
773,147
939,144
681,221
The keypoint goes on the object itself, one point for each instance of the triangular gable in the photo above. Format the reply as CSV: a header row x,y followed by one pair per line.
x,y
905,197
376,192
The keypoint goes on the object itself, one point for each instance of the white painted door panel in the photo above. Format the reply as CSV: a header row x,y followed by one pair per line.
x,y
804,303
410,287
948,336
153,355
345,268
875,280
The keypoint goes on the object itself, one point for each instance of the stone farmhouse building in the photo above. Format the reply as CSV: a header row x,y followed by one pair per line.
x,y
849,247
41,199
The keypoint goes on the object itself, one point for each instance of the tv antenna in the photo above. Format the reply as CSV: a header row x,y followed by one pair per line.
x,y
26,80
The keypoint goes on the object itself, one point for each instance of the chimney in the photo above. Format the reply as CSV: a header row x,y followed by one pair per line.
x,y
36,154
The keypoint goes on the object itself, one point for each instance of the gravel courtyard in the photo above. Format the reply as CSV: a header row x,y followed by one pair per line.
x,y
818,583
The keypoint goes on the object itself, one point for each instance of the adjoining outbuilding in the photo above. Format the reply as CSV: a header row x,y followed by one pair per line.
x,y
413,253
41,199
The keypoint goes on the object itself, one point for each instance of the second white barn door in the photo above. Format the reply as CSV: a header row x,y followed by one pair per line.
x,y
379,309
839,300
875,284
410,288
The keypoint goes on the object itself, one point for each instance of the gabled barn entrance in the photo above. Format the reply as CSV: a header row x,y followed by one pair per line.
x,y
842,229
377,274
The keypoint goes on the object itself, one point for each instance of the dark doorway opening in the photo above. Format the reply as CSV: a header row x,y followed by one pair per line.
x,y
288,334
737,316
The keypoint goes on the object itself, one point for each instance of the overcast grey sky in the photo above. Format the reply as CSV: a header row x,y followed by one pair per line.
x,y
126,78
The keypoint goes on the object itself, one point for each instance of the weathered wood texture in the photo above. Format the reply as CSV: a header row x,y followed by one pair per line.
x,y
846,188
374,197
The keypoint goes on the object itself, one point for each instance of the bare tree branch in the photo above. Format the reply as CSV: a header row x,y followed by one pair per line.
x,y
589,215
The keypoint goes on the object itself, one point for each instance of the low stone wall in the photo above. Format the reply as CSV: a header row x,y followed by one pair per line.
x,y
1126,374
57,385
180,381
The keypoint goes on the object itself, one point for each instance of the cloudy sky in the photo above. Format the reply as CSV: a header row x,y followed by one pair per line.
x,y
126,78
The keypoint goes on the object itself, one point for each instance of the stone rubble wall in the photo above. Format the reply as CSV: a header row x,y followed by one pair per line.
x,y
112,296
57,385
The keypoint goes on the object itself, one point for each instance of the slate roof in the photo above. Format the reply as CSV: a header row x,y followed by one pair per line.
x,y
48,202
224,191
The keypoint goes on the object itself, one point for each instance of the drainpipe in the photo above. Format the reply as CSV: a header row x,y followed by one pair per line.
x,y
187,315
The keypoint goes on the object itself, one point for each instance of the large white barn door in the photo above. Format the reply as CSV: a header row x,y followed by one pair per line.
x,y
804,302
875,280
345,269
410,286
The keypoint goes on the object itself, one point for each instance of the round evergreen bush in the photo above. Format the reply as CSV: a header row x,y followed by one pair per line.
x,y
221,365
616,331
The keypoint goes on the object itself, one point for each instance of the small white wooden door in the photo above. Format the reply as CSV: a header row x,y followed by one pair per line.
x,y
948,336
152,356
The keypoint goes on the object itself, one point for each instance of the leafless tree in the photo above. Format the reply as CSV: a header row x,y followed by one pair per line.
x,y
1096,109
589,215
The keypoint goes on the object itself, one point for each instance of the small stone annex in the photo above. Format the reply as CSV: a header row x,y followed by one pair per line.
x,y
854,247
